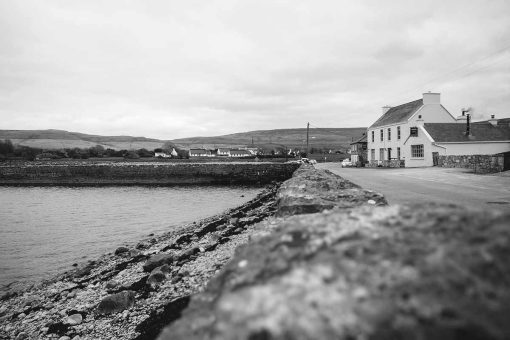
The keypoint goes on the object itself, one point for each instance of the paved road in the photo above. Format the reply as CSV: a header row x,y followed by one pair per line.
x,y
419,185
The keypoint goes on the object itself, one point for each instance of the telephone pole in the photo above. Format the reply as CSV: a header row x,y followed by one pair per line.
x,y
307,140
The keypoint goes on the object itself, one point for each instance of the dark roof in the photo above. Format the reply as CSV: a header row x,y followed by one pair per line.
x,y
399,113
363,139
456,132
240,152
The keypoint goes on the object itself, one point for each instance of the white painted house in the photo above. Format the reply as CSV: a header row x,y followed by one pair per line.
x,y
419,131
395,136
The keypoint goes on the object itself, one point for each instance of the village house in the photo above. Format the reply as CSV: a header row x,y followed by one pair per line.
x,y
416,133
240,153
223,152
200,153
359,150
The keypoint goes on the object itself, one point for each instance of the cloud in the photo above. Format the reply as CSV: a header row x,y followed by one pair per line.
x,y
171,69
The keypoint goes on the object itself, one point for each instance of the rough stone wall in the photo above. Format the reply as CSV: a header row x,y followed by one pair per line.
x,y
349,267
479,163
146,173
394,163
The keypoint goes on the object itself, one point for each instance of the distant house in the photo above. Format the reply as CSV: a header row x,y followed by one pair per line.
x,y
240,153
199,153
161,154
223,152
359,150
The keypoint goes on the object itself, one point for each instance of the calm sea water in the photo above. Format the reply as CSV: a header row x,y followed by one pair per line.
x,y
44,230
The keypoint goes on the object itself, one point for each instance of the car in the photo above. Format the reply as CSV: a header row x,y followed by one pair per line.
x,y
346,163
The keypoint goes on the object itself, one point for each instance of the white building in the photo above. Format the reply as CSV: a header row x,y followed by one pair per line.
x,y
200,153
419,131
392,138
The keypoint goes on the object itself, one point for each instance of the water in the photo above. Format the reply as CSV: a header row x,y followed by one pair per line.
x,y
44,230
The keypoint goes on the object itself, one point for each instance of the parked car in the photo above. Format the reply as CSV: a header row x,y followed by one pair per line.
x,y
346,163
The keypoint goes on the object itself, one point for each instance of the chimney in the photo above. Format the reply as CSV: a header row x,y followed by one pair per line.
x,y
493,120
431,98
462,118
385,109
468,125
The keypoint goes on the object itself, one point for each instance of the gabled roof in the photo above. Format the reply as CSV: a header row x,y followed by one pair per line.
x,y
398,114
363,139
456,132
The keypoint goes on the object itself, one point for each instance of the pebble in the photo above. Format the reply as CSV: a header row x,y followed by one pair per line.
x,y
65,337
371,202
22,315
74,319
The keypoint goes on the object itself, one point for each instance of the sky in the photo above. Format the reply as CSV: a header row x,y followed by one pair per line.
x,y
172,69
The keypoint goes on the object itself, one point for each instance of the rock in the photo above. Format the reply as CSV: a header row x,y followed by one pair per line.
x,y
158,260
74,319
116,302
188,253
65,337
310,191
142,245
22,336
3,310
111,284
134,253
121,250
22,315
156,277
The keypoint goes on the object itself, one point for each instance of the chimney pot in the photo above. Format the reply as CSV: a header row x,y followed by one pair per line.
x,y
493,120
492,116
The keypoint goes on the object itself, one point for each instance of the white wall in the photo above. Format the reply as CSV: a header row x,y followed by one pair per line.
x,y
480,148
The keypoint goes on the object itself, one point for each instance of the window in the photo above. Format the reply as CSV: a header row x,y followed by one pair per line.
x,y
413,132
398,132
398,153
372,153
382,135
389,154
389,133
381,154
417,151
372,136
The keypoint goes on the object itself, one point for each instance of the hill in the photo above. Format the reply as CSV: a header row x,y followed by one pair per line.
x,y
333,138
59,139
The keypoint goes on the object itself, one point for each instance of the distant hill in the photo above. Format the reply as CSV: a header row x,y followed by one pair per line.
x,y
333,138
60,139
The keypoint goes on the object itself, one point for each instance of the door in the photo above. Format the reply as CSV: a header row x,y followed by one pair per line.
x,y
435,158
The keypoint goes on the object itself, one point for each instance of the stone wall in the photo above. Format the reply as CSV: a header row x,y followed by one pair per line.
x,y
349,267
394,163
479,163
145,173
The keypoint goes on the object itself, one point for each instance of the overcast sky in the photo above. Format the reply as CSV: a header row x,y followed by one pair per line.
x,y
170,69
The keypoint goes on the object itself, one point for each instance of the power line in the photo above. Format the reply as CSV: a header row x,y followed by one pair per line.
x,y
456,70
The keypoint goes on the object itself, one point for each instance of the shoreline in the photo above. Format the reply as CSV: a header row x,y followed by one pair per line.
x,y
195,252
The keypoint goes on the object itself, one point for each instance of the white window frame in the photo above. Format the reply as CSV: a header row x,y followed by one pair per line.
x,y
417,151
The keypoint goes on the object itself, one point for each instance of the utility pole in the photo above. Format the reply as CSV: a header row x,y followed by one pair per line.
x,y
307,139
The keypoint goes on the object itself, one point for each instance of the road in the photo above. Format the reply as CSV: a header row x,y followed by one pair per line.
x,y
420,185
